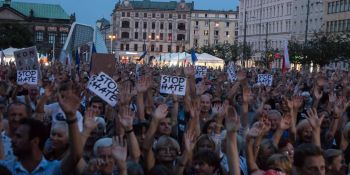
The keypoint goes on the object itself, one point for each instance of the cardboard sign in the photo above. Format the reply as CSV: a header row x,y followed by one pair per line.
x,y
173,85
137,71
201,71
231,73
26,59
27,77
265,79
104,87
103,63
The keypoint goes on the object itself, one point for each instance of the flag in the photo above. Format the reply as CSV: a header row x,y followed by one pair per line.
x,y
77,60
2,57
68,60
93,50
193,56
142,56
286,63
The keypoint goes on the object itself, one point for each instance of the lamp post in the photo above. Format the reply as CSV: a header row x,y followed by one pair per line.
x,y
307,20
112,37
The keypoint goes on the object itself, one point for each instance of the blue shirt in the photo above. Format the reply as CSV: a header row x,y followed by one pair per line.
x,y
45,167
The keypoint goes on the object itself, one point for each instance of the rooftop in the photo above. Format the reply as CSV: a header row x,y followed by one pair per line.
x,y
148,4
50,11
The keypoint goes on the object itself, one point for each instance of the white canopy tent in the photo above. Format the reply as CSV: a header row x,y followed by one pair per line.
x,y
208,60
173,59
9,56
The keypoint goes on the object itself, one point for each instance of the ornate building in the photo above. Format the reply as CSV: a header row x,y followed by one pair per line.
x,y
337,15
48,23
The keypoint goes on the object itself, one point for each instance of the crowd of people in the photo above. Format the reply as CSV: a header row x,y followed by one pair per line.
x,y
298,126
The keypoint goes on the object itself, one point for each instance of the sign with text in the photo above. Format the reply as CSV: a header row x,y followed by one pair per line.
x,y
103,63
265,79
231,73
104,87
173,85
201,71
27,77
26,59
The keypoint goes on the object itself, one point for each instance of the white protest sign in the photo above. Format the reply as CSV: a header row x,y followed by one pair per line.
x,y
104,87
201,71
27,77
231,73
265,79
173,84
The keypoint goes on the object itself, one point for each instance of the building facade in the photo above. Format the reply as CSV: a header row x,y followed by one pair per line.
x,y
307,19
336,16
48,23
265,25
209,27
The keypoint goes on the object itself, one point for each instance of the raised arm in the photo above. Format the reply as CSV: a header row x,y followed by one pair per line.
x,y
315,122
119,153
41,102
232,126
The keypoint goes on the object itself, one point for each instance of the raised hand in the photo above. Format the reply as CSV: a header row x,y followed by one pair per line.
x,y
341,105
142,85
256,129
189,140
189,71
126,93
201,88
126,118
332,97
69,102
89,120
232,120
247,95
49,90
96,164
161,112
313,118
286,122
119,149
241,75
233,90
317,93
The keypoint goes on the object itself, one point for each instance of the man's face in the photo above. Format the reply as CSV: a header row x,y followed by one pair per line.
x,y
164,127
275,120
205,103
202,168
20,141
105,153
97,108
337,165
15,114
306,135
314,165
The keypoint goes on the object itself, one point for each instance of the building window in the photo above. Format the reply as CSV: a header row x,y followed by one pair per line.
x,y
170,26
144,35
184,16
160,48
227,33
125,24
197,22
216,41
180,37
177,48
63,38
170,36
136,35
153,36
127,47
153,25
206,15
121,46
145,15
206,23
52,38
216,32
169,48
162,15
153,15
161,25
206,32
196,42
39,36
181,26
128,14
161,36
136,25
152,48
145,25
125,35
226,16
136,14
179,16
123,14
135,47
227,24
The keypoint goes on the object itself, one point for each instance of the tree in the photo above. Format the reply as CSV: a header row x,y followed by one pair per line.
x,y
15,35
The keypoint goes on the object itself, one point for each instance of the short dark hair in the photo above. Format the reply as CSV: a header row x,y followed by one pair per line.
x,y
37,129
19,103
209,157
306,150
96,99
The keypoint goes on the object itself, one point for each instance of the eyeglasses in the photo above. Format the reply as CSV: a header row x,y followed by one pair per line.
x,y
167,149
288,153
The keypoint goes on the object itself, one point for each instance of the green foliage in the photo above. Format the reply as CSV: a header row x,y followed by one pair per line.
x,y
15,35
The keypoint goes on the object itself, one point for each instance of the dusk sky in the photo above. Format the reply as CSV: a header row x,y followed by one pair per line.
x,y
88,11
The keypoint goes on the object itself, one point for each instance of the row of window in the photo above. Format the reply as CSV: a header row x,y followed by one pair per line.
x,y
180,26
153,36
338,26
338,6
273,27
39,37
153,15
217,24
153,48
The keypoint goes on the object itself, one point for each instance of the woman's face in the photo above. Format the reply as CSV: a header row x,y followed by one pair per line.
x,y
306,134
288,150
59,138
202,168
205,144
166,153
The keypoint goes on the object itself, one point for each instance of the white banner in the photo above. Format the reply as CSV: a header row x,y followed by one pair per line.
x,y
173,85
27,77
201,71
265,79
231,73
104,87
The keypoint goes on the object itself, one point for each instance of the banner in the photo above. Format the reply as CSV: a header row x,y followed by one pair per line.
x,y
103,63
265,79
26,59
173,85
201,71
27,77
104,87
231,73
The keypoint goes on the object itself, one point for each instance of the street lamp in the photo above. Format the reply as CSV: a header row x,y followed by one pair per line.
x,y
112,37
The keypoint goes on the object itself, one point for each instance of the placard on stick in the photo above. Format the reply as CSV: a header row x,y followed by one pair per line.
x,y
201,71
265,79
104,87
26,59
173,85
103,63
27,77
231,73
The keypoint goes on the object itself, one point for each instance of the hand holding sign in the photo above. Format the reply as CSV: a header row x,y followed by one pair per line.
x,y
173,85
104,87
27,77
265,79
201,71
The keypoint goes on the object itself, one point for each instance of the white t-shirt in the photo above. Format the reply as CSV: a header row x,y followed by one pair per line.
x,y
54,110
